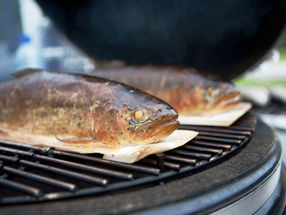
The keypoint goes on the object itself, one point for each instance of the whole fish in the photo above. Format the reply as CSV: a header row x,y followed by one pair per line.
x,y
41,106
186,89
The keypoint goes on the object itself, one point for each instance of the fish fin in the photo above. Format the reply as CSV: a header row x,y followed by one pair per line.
x,y
80,141
25,72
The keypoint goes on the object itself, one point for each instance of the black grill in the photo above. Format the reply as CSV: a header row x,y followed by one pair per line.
x,y
33,174
274,107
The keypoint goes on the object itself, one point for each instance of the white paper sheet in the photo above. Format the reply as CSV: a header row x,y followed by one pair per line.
x,y
221,119
128,154
135,153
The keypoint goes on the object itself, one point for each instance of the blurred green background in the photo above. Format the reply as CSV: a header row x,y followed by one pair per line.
x,y
282,50
274,74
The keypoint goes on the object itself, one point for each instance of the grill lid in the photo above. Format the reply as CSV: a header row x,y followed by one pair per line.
x,y
222,37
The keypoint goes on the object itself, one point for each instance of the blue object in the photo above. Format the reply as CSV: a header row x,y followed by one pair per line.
x,y
23,38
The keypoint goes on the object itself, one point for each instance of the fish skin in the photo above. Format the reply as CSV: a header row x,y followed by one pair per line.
x,y
76,108
189,91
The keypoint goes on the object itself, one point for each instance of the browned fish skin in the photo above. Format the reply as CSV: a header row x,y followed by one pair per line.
x,y
189,91
84,108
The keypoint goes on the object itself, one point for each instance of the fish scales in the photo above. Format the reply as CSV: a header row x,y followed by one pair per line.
x,y
80,108
189,91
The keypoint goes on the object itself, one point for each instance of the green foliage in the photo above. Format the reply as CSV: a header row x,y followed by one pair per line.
x,y
282,50
267,83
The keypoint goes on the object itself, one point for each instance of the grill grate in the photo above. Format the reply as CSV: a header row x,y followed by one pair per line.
x,y
33,174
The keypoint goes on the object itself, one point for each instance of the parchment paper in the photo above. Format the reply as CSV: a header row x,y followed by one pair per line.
x,y
222,119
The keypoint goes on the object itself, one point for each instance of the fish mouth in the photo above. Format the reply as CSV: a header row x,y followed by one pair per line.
x,y
163,129
227,102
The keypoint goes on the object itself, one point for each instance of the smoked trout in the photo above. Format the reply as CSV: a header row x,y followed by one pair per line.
x,y
63,108
189,91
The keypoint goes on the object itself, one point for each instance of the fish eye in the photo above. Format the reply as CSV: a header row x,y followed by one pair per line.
x,y
139,116
213,92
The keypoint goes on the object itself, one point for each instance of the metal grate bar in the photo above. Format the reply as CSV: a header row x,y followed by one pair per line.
x,y
212,134
90,174
67,173
41,179
133,167
215,145
243,128
16,151
245,122
181,159
215,129
246,119
7,158
111,173
167,164
203,149
172,165
193,154
222,140
20,187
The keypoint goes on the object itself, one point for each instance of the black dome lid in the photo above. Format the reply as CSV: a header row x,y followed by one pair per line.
x,y
224,37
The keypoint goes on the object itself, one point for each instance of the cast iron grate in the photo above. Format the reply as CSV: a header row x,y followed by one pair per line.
x,y
32,174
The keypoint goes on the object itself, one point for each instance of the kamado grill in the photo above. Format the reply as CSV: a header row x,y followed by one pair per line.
x,y
224,170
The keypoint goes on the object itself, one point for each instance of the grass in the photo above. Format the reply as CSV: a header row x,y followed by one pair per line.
x,y
282,50
266,83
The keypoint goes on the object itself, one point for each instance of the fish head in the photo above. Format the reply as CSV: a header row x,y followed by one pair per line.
x,y
204,98
140,119
221,96
149,120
